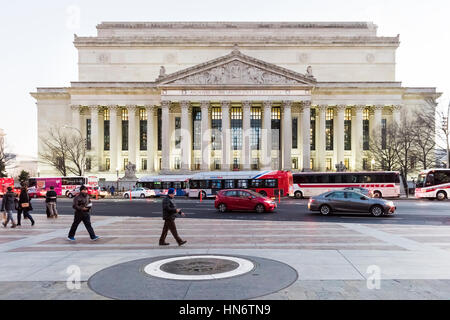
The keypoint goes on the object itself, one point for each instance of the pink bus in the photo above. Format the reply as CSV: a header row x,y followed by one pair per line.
x,y
62,184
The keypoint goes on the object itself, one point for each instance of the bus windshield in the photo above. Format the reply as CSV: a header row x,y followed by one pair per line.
x,y
420,180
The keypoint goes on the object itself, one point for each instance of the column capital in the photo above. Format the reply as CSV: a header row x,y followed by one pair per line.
x,y
165,104
185,104
306,104
246,104
94,108
225,104
322,107
378,107
360,107
267,104
287,103
341,107
131,107
75,107
149,107
397,107
205,104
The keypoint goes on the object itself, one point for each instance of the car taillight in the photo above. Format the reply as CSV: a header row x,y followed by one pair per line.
x,y
311,200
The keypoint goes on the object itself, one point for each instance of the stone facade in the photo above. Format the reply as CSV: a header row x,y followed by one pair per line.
x,y
206,96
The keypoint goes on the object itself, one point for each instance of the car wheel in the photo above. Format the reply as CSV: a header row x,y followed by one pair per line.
x,y
35,196
377,194
126,195
142,196
325,210
260,208
70,195
298,195
441,195
376,211
222,208
263,193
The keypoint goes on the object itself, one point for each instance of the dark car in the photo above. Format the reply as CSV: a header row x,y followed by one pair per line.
x,y
364,191
238,199
350,201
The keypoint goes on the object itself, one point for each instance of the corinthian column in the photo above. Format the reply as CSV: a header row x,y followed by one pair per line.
x,y
396,114
287,135
358,137
377,113
113,141
185,136
306,129
150,138
206,136
76,118
165,136
266,136
246,105
339,132
132,152
321,138
95,145
226,136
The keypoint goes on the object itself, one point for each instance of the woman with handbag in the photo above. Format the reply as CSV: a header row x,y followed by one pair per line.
x,y
24,206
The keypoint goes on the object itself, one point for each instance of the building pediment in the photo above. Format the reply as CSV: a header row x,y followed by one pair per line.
x,y
236,69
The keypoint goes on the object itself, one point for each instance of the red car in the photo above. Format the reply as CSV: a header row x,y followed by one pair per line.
x,y
35,193
238,199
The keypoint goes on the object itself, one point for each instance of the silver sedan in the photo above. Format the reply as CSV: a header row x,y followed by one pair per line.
x,y
350,201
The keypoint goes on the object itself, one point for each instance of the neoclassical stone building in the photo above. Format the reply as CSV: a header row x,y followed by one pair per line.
x,y
189,96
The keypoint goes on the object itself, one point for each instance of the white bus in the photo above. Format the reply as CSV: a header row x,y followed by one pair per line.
x,y
161,184
267,183
433,184
380,183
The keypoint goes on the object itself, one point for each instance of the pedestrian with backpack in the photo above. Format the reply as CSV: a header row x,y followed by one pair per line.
x,y
8,205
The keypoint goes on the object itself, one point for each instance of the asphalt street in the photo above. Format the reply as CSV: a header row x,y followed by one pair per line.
x,y
421,212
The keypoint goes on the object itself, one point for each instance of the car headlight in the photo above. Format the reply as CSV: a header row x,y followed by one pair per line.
x,y
390,203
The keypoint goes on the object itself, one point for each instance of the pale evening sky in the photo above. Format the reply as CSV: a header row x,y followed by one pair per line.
x,y
37,36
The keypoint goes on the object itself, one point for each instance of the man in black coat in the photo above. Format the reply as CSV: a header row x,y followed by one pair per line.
x,y
8,205
82,205
50,200
24,206
169,214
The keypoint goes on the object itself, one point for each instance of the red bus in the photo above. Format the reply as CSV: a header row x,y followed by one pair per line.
x,y
4,184
267,183
62,185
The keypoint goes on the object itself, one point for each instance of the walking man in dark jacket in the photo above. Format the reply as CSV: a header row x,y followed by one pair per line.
x,y
8,205
82,205
24,206
50,200
169,214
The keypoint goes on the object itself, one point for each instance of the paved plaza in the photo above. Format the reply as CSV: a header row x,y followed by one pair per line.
x,y
333,260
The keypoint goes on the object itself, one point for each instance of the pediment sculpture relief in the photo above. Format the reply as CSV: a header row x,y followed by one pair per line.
x,y
236,72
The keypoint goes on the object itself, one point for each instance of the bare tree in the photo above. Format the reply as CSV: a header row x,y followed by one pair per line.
x,y
382,149
65,152
424,135
5,157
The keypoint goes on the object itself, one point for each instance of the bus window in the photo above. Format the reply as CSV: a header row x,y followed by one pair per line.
x,y
441,177
271,183
157,184
193,184
242,184
216,184
229,184
347,178
256,183
166,185
204,184
430,180
338,178
177,185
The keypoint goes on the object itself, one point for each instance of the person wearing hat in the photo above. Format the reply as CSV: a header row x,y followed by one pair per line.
x,y
82,205
169,214
8,205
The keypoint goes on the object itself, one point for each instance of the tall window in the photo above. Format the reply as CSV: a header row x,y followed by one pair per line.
x,y
88,164
88,134
365,164
383,133
295,134
276,125
348,129
159,115
142,129
144,164
294,163
313,130
107,164
329,128
106,134
329,164
311,164
347,163
124,129
255,124
125,163
366,129
197,126
236,128
177,132
216,126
